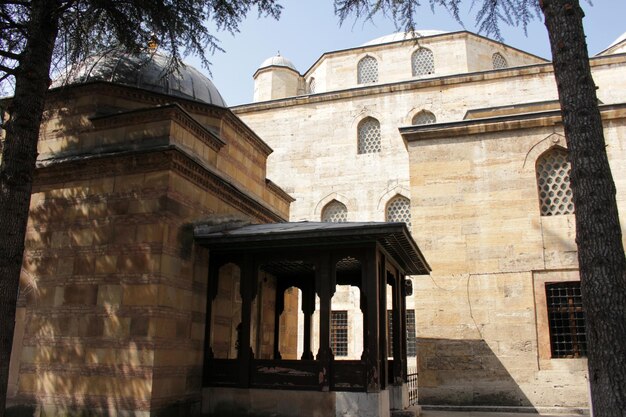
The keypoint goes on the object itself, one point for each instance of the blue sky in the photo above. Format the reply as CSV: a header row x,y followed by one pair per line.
x,y
308,28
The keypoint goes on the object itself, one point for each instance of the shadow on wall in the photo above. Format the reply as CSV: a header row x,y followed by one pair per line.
x,y
464,373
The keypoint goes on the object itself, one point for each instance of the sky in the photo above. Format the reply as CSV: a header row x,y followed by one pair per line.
x,y
308,28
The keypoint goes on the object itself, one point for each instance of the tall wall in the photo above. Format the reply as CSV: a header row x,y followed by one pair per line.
x,y
482,313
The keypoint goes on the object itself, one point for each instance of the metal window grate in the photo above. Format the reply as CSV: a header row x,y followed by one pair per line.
x,y
367,70
369,136
422,62
339,332
424,118
567,320
399,210
555,194
499,62
411,341
335,212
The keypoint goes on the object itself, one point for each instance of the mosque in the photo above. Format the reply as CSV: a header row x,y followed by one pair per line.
x,y
400,207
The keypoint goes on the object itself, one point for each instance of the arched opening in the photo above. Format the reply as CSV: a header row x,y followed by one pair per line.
x,y
369,138
346,324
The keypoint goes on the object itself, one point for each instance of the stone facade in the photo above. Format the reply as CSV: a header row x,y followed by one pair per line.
x,y
111,314
482,327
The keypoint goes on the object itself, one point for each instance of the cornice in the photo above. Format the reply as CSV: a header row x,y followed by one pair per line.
x,y
138,161
499,124
171,111
272,186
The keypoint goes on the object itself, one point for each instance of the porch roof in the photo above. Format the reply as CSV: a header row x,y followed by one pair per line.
x,y
393,237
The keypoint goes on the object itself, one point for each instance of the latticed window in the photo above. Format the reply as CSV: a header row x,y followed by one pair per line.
x,y
399,210
312,86
369,136
422,62
411,341
339,332
498,61
367,70
555,194
567,320
424,118
335,212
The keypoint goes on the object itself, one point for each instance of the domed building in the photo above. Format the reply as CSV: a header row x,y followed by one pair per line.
x,y
111,313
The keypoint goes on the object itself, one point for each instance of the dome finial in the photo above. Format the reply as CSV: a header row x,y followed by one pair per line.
x,y
153,43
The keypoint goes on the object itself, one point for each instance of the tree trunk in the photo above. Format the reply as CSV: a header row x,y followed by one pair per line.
x,y
598,234
19,155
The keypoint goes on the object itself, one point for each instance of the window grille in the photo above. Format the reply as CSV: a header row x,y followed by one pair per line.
x,y
566,319
399,210
312,86
411,341
555,194
335,212
339,332
499,62
367,70
424,118
422,62
369,136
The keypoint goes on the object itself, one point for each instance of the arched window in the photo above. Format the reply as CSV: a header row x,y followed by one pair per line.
x,y
312,86
369,135
367,70
422,62
555,194
498,61
335,212
424,118
399,210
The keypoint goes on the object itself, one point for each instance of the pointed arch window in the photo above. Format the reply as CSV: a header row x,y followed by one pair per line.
x,y
424,118
367,70
399,210
335,212
312,86
499,62
422,62
553,183
368,133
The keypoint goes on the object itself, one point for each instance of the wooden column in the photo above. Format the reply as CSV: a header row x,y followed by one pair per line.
x,y
308,307
248,290
371,325
399,330
382,319
324,283
212,284
403,357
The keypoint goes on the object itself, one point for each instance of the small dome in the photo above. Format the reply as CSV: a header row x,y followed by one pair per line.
x,y
403,36
278,61
146,71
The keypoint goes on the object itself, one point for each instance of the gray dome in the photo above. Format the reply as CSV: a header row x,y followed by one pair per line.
x,y
146,71
278,61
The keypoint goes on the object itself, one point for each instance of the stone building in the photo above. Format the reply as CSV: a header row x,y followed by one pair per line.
x,y
111,312
455,134
459,136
